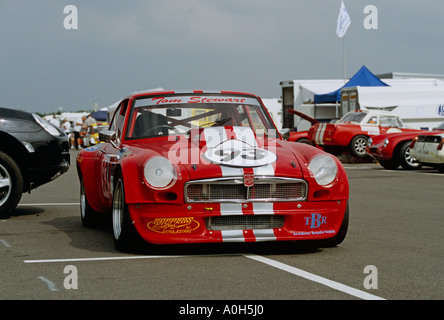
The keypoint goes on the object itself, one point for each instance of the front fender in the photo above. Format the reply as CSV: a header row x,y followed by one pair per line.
x,y
131,168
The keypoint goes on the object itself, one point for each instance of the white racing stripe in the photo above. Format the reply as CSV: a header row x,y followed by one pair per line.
x,y
227,209
233,235
264,235
319,137
213,138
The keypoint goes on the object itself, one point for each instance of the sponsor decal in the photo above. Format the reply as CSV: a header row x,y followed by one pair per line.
x,y
93,148
313,233
201,99
371,130
173,225
440,110
315,220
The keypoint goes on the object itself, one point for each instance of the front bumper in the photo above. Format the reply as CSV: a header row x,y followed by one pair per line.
x,y
237,222
40,176
48,161
378,153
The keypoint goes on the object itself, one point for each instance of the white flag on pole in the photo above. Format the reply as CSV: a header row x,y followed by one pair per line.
x,y
343,21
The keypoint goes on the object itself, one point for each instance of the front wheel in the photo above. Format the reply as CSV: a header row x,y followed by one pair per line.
x,y
124,234
358,145
11,185
408,162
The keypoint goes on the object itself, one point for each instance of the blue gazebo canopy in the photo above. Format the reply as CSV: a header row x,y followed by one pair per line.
x,y
363,78
99,115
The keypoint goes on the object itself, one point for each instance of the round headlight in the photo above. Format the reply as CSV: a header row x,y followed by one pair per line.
x,y
324,169
159,172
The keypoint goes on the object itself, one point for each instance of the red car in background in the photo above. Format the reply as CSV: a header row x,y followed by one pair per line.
x,y
352,131
201,167
393,150
301,136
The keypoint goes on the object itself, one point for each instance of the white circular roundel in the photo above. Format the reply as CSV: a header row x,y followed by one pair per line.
x,y
237,153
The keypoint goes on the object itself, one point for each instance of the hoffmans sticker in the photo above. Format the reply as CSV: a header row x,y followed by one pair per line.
x,y
173,225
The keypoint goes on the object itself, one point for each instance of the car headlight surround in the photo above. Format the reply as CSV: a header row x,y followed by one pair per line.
x,y
46,125
159,173
324,169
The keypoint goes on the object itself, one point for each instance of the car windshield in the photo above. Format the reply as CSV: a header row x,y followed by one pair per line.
x,y
173,115
353,117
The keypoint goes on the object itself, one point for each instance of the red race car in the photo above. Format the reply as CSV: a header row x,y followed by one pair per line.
x,y
393,149
301,136
201,167
352,131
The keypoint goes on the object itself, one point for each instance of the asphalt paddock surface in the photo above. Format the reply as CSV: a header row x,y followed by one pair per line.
x,y
394,250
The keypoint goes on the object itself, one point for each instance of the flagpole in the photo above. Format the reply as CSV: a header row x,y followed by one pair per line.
x,y
344,61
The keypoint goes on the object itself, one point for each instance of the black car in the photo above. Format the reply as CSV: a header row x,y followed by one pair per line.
x,y
32,153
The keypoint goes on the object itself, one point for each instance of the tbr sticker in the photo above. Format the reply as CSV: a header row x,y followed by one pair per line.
x,y
237,153
173,225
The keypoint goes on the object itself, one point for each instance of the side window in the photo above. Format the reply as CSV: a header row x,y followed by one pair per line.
x,y
388,122
119,119
373,120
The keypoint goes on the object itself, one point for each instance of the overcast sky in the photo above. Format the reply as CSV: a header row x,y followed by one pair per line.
x,y
243,45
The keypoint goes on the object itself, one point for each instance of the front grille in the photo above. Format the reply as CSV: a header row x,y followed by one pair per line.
x,y
245,222
233,190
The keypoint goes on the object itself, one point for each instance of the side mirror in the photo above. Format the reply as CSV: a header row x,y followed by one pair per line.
x,y
107,135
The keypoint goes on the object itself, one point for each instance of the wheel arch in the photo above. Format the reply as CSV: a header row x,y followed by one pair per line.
x,y
397,148
17,151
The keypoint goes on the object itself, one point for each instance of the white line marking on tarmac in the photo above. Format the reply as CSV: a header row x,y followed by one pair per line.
x,y
5,243
312,277
99,259
295,271
49,283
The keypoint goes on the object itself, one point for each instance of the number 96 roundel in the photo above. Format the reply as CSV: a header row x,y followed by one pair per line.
x,y
237,153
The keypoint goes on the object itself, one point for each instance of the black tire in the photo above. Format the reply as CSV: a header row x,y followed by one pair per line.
x,y
11,185
125,235
358,145
305,141
90,217
406,160
389,164
340,236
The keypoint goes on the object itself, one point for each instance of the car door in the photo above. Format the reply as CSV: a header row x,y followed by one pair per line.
x,y
110,152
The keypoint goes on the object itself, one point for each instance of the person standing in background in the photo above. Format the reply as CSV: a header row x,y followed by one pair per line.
x,y
76,141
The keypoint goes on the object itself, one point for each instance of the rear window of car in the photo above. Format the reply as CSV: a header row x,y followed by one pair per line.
x,y
353,117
